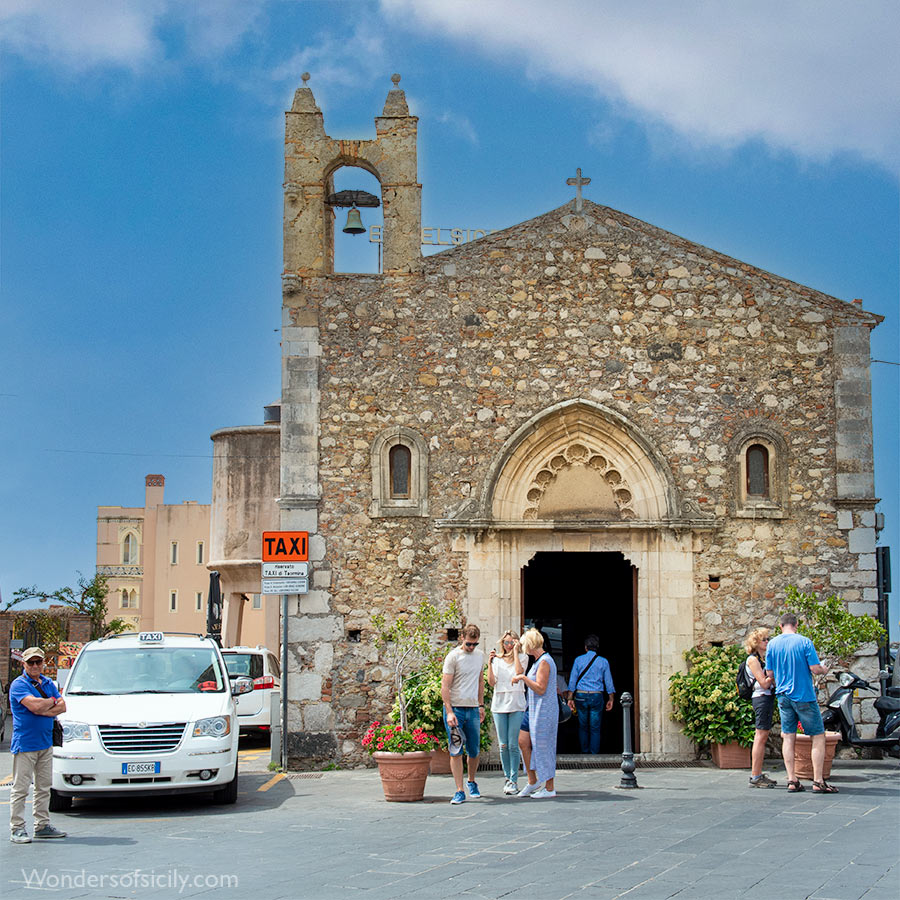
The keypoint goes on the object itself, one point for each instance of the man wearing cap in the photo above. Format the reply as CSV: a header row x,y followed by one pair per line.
x,y
34,702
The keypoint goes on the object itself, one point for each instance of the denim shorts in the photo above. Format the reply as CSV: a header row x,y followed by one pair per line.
x,y
764,711
524,725
469,721
807,713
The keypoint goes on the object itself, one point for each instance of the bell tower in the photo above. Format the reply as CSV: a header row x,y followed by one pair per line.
x,y
310,159
314,629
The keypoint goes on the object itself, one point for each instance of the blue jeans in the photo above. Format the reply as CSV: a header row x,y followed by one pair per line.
x,y
590,719
507,725
469,721
807,713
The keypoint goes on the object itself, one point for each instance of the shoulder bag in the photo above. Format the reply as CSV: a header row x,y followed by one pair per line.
x,y
57,726
596,655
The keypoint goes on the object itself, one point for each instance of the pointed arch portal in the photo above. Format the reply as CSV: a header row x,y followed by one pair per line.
x,y
579,521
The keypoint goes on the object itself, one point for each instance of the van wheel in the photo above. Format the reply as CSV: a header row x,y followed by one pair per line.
x,y
228,794
58,803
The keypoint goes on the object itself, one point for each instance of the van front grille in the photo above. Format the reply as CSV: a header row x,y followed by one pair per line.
x,y
156,738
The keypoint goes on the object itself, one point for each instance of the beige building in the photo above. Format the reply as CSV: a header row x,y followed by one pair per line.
x,y
156,559
581,420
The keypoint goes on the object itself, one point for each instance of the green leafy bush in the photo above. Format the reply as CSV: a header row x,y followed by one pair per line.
x,y
408,640
706,701
836,632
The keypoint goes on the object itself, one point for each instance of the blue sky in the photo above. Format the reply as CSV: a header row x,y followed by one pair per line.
x,y
141,195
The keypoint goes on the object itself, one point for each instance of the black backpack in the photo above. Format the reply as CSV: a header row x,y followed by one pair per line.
x,y
745,681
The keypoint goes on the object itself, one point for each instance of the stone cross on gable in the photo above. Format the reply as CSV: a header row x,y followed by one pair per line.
x,y
578,182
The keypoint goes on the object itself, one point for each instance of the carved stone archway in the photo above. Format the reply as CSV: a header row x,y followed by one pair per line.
x,y
580,477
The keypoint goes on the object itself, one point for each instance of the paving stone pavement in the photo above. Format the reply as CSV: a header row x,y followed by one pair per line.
x,y
687,833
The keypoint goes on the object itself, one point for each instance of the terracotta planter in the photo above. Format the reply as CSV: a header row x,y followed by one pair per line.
x,y
440,762
803,754
403,774
730,756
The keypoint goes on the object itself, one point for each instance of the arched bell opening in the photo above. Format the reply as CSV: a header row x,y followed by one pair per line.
x,y
353,197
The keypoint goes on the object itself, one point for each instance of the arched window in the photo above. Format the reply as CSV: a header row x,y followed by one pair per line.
x,y
399,473
355,251
124,599
760,478
757,471
400,459
129,550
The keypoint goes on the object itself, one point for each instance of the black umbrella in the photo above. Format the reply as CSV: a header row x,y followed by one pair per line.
x,y
214,609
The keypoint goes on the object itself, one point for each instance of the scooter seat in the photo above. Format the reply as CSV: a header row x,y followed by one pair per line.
x,y
887,704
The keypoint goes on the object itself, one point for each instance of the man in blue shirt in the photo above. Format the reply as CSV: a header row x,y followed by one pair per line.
x,y
34,702
591,692
791,660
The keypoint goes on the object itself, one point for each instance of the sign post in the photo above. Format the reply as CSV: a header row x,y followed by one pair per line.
x,y
285,571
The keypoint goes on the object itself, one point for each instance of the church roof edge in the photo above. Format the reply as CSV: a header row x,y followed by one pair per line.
x,y
591,210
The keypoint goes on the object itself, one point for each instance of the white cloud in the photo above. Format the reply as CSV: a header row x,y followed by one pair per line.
x,y
336,60
816,77
460,124
80,35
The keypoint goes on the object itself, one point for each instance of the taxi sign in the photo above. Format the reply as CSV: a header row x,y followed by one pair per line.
x,y
151,637
285,586
285,570
285,546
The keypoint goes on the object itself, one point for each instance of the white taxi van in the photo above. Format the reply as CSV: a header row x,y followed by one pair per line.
x,y
151,712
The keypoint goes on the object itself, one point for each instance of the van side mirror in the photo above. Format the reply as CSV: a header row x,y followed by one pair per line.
x,y
241,685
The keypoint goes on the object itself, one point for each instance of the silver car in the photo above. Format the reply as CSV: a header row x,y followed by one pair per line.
x,y
260,664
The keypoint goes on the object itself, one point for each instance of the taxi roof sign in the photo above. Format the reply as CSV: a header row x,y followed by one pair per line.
x,y
285,546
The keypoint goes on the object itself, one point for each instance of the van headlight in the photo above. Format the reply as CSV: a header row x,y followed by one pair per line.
x,y
217,726
76,731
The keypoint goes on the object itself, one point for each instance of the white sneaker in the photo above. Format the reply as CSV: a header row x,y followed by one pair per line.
x,y
530,789
542,794
510,788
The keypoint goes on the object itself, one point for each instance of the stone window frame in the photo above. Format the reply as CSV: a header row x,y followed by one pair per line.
x,y
383,504
134,556
776,504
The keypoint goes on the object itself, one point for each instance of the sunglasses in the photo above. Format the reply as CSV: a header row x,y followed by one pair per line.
x,y
34,662
509,641
471,644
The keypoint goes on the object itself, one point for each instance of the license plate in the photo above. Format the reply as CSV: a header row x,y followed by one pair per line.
x,y
142,768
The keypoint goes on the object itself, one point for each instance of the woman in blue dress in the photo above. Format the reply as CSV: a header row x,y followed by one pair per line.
x,y
543,717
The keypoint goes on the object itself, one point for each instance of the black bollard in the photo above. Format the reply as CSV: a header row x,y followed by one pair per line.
x,y
628,779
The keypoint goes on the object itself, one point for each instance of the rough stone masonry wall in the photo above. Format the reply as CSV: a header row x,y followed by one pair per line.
x,y
688,344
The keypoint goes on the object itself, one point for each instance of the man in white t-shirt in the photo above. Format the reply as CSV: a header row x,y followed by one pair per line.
x,y
462,690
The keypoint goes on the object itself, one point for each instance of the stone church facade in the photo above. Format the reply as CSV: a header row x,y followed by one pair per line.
x,y
582,419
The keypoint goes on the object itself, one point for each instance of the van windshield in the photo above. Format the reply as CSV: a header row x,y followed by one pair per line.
x,y
152,670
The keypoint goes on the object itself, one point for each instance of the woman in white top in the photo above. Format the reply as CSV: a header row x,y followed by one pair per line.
x,y
763,701
508,704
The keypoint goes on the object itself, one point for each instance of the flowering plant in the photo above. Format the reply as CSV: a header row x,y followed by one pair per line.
x,y
705,701
395,739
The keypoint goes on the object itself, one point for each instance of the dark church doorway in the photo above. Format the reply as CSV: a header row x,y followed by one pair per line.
x,y
571,595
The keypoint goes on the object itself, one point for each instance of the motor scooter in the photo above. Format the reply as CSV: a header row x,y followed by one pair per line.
x,y
838,715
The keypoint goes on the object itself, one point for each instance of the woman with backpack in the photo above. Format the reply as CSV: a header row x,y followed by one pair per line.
x,y
763,700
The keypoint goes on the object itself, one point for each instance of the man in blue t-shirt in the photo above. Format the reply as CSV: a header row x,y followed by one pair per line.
x,y
34,702
591,691
791,660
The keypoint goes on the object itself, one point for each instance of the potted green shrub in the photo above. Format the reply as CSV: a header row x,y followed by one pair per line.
x,y
705,701
403,752
837,635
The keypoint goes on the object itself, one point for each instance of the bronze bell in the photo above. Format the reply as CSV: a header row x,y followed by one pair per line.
x,y
354,222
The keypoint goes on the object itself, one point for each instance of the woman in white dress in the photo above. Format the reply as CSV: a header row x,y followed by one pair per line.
x,y
508,704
